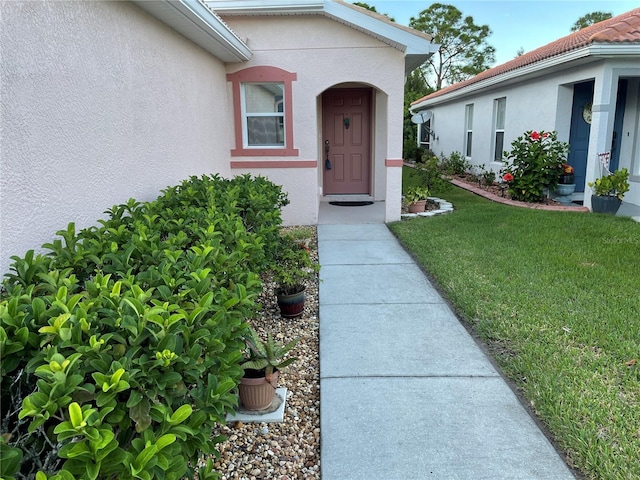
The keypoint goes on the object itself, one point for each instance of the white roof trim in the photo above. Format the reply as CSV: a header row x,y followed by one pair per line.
x,y
582,55
196,22
415,46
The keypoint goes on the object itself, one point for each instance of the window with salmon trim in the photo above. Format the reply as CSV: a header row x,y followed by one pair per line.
x,y
262,103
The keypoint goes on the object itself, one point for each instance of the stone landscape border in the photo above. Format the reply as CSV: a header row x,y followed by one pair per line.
x,y
515,203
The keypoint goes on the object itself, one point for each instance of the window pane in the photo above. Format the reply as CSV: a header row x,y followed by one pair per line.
x,y
469,117
469,137
497,156
501,108
424,132
265,131
263,98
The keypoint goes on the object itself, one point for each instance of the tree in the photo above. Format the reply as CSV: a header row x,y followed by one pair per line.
x,y
371,8
590,19
464,51
414,88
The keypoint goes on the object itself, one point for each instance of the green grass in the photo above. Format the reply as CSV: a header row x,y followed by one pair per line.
x,y
556,296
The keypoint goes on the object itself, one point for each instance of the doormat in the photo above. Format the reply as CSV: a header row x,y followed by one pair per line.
x,y
350,204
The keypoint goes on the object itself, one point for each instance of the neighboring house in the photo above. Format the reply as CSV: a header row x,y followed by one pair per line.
x,y
586,86
104,101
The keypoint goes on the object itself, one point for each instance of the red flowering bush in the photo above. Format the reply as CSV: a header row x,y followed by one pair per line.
x,y
536,158
507,177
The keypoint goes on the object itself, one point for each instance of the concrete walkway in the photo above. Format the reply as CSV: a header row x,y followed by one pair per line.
x,y
406,393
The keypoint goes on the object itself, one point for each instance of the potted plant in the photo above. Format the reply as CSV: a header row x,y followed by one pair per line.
x,y
416,197
609,190
265,361
292,267
566,180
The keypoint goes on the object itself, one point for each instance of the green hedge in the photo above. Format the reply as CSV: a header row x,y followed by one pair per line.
x,y
121,348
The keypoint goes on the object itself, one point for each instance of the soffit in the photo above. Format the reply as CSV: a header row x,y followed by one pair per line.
x,y
194,20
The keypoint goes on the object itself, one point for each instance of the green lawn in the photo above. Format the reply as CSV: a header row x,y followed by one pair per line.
x,y
556,296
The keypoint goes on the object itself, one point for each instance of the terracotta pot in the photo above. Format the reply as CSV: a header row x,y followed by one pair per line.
x,y
417,207
257,393
292,305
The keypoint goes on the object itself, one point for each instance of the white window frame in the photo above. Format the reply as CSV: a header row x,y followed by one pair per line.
x,y
278,112
424,134
499,115
468,126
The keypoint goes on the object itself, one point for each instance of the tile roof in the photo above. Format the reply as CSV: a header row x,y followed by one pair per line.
x,y
622,29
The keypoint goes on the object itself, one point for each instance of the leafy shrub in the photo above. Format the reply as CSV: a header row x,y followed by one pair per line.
x,y
426,155
121,348
488,177
454,164
293,265
536,163
430,173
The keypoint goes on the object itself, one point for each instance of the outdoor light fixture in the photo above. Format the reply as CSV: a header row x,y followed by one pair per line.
x,y
347,122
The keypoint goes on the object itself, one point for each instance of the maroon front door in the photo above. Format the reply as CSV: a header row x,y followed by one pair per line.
x,y
346,130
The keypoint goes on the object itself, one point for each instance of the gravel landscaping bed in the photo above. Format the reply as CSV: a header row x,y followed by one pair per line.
x,y
289,450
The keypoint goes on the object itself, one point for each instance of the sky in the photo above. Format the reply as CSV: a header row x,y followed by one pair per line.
x,y
514,24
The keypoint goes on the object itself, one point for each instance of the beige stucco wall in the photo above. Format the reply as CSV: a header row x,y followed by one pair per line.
x,y
323,54
100,102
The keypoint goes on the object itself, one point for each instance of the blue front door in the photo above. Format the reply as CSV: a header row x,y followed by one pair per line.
x,y
580,130
617,125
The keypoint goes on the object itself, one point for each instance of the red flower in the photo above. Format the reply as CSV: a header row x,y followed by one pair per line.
x,y
567,169
534,136
545,135
507,177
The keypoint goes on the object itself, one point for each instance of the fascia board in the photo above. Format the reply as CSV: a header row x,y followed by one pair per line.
x,y
251,7
405,41
613,49
196,22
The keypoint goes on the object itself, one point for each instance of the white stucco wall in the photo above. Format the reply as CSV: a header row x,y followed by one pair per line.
x,y
100,102
323,54
544,103
531,105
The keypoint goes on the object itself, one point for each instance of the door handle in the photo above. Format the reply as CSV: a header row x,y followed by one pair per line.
x,y
327,162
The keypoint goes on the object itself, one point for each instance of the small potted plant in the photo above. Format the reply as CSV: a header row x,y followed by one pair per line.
x,y
566,180
416,197
292,267
609,190
265,361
